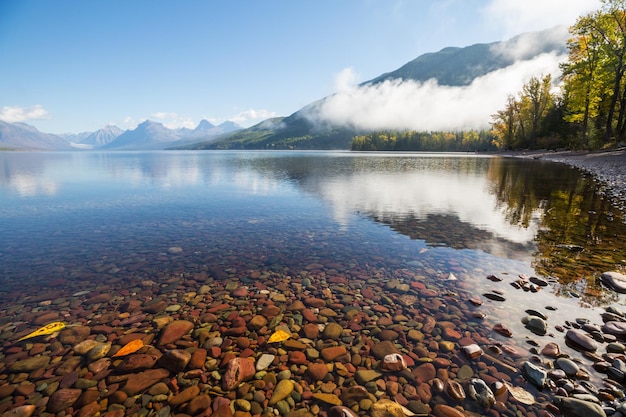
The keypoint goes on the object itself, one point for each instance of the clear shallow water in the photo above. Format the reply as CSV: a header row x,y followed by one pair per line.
x,y
79,220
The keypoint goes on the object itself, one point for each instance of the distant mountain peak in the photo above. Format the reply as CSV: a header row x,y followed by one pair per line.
x,y
204,125
25,136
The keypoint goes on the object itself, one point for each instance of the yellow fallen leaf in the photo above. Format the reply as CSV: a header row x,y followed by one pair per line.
x,y
279,336
47,329
130,347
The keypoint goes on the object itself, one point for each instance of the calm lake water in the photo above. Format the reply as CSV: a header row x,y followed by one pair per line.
x,y
84,219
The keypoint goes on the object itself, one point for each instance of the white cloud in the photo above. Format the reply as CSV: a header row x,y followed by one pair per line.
x,y
530,44
173,120
345,79
398,104
517,16
252,115
13,114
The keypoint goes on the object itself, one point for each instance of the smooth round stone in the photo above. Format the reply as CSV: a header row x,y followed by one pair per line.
x,y
614,280
243,405
567,365
616,328
174,331
466,372
382,349
536,325
173,308
366,404
446,346
159,388
332,331
415,335
581,340
615,347
551,350
573,407
257,322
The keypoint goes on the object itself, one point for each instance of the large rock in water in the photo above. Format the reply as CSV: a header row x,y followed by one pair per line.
x,y
573,407
614,280
616,328
238,370
174,331
581,340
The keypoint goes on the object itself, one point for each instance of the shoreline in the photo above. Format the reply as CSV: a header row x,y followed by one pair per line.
x,y
608,167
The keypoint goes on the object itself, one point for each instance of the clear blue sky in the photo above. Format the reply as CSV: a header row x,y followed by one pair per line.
x,y
72,66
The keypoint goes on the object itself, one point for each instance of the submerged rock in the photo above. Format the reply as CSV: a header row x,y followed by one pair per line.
x,y
536,325
284,389
238,370
386,408
534,374
581,340
574,407
393,362
481,393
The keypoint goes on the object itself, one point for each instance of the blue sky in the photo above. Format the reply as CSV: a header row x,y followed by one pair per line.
x,y
73,66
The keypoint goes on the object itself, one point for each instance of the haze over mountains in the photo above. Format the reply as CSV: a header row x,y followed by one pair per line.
x,y
148,135
453,89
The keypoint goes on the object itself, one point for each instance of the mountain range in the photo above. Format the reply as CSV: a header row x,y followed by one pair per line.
x,y
307,128
148,135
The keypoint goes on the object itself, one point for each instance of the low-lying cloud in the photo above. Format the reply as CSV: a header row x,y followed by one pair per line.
x,y
249,116
425,106
15,114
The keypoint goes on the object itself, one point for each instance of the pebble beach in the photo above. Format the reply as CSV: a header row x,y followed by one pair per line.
x,y
325,338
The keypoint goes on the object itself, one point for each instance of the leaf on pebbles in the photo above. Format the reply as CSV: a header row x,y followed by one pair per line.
x,y
45,330
520,394
279,336
130,347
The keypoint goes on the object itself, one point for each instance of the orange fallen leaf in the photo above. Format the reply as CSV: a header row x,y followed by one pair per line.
x,y
130,347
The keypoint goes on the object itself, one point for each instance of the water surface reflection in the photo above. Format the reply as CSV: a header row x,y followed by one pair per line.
x,y
544,214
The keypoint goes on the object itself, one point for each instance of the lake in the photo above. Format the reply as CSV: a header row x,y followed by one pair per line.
x,y
394,240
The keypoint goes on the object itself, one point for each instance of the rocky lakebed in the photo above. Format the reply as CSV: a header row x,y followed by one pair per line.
x,y
329,339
